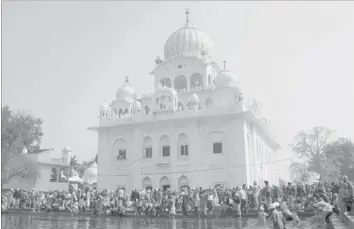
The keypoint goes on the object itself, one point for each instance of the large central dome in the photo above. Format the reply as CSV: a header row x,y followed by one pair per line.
x,y
188,41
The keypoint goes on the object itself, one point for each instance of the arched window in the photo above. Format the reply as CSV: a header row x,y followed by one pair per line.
x,y
147,183
147,147
183,182
196,80
165,82
165,146
54,175
183,146
121,149
180,83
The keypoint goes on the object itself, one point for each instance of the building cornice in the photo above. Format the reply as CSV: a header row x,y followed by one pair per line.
x,y
264,128
236,112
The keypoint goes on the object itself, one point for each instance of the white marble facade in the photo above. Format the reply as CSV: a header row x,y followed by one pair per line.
x,y
196,128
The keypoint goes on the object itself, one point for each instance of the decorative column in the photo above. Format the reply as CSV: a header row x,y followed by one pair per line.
x,y
173,157
255,151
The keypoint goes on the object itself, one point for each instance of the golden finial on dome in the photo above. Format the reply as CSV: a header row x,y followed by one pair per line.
x,y
187,15
224,64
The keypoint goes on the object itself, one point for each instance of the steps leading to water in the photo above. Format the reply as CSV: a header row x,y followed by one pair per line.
x,y
349,220
164,214
339,224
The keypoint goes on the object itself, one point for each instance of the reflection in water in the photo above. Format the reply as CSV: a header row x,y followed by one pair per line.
x,y
61,222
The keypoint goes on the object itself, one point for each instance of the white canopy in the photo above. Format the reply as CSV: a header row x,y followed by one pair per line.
x,y
75,179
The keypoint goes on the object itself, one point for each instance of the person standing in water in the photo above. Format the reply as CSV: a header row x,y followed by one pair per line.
x,y
255,191
262,216
276,216
346,194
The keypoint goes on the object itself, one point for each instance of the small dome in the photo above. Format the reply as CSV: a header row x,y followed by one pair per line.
x,y
66,148
126,92
225,78
90,174
137,105
195,97
24,150
104,107
188,41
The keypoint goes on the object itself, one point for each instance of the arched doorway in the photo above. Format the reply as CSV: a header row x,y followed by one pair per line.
x,y
219,186
165,183
196,80
147,144
183,182
147,183
180,83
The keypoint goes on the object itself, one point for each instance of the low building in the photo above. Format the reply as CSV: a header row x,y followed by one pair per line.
x,y
51,171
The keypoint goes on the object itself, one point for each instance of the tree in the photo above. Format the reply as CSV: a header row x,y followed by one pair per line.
x,y
310,146
299,172
340,154
73,165
19,131
85,165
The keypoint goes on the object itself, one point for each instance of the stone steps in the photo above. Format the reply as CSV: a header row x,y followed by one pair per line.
x,y
349,220
338,223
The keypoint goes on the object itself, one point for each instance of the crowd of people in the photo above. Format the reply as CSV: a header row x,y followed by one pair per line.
x,y
219,201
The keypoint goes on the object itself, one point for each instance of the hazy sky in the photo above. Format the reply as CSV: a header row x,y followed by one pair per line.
x,y
63,59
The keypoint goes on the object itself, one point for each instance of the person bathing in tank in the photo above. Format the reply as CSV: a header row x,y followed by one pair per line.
x,y
276,216
289,215
325,210
262,216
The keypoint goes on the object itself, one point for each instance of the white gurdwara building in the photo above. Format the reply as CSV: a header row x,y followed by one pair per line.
x,y
195,129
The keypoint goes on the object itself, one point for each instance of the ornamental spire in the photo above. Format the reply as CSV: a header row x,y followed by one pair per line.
x,y
126,80
187,15
224,62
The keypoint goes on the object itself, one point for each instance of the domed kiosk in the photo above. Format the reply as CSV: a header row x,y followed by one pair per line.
x,y
126,92
90,176
226,78
227,89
